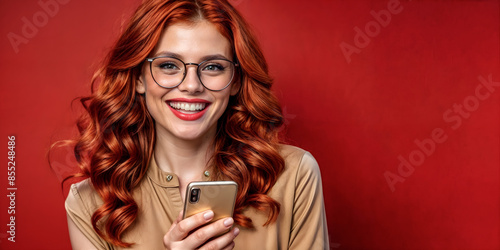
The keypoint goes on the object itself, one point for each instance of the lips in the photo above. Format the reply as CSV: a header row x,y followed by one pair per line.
x,y
188,109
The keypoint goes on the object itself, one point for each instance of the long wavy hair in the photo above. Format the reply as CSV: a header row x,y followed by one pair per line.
x,y
117,135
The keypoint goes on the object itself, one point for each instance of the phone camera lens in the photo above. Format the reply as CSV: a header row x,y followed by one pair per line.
x,y
195,195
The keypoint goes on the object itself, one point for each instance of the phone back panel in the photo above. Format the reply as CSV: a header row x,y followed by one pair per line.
x,y
219,196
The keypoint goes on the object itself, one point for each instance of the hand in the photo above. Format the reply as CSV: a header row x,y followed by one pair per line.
x,y
182,233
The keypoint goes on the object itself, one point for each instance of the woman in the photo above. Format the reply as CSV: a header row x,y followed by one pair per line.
x,y
184,95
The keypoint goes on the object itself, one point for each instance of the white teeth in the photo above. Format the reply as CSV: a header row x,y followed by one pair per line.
x,y
187,106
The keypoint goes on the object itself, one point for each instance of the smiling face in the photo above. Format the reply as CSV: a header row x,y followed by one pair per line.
x,y
188,111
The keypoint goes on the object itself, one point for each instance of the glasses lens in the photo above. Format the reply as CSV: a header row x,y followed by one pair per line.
x,y
167,72
216,74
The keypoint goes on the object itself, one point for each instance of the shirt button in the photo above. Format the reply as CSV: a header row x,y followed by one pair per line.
x,y
169,177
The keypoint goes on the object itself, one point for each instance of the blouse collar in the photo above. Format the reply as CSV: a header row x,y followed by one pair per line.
x,y
162,178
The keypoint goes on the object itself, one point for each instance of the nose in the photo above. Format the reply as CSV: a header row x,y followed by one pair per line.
x,y
191,83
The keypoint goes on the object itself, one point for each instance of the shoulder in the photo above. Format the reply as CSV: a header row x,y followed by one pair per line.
x,y
298,160
301,169
82,190
83,198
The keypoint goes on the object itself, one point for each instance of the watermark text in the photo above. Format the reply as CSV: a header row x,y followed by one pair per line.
x,y
454,117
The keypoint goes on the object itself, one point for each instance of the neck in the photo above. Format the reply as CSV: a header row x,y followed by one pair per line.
x,y
185,158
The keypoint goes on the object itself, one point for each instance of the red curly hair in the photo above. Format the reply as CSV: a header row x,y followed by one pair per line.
x,y
117,133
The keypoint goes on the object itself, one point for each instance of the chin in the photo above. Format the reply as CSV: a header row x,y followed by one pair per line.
x,y
191,135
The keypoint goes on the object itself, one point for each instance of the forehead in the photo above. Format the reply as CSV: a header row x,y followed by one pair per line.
x,y
193,41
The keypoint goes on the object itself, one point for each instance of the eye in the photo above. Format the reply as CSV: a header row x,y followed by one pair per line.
x,y
213,66
168,66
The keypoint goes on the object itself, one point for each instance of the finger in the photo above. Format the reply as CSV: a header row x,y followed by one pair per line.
x,y
230,246
185,226
174,224
235,231
179,217
215,229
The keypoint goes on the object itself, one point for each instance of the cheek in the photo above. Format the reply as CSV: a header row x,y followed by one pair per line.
x,y
224,101
154,95
153,90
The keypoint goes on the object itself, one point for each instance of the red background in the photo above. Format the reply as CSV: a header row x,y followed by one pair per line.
x,y
356,118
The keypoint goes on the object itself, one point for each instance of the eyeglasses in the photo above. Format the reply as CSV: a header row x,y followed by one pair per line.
x,y
214,74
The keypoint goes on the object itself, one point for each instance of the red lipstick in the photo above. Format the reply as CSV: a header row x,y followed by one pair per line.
x,y
188,116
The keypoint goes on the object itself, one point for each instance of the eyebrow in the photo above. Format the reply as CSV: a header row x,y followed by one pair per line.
x,y
178,56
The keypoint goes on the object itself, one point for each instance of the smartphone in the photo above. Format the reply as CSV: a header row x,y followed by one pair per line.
x,y
218,196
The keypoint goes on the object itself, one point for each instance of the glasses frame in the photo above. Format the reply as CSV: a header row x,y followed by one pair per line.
x,y
150,60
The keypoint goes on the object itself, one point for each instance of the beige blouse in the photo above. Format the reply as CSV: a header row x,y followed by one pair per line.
x,y
301,223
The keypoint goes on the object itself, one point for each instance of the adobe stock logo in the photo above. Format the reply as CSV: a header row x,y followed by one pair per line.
x,y
30,26
454,116
371,30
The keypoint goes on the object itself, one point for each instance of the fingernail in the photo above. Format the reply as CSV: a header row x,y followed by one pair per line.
x,y
208,215
236,231
228,222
